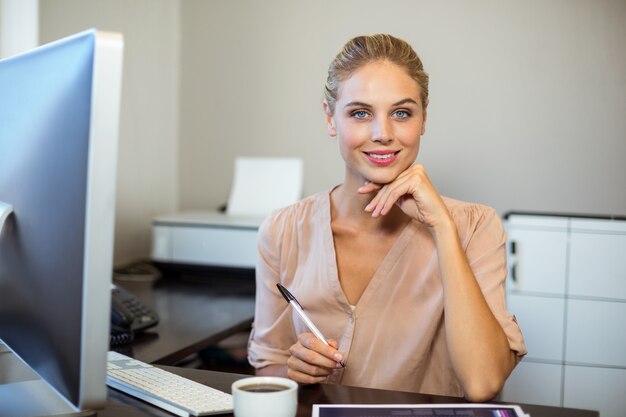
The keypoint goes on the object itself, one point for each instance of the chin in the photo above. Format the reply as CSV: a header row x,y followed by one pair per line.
x,y
384,175
382,179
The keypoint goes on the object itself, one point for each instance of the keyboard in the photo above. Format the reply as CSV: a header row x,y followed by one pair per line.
x,y
171,392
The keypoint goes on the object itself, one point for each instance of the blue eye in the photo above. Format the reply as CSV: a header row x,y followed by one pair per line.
x,y
402,114
359,114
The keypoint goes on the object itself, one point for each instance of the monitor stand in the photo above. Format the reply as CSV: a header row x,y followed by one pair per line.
x,y
24,394
5,210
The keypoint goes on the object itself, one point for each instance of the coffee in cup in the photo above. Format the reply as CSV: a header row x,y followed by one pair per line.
x,y
265,396
263,387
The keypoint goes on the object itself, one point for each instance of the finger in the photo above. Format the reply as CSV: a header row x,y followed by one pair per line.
x,y
409,182
303,371
297,365
316,352
373,204
304,378
368,187
380,204
333,343
410,207
340,361
389,194
379,201
402,186
421,200
306,359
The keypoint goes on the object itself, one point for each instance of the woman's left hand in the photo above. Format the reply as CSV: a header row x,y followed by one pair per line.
x,y
413,193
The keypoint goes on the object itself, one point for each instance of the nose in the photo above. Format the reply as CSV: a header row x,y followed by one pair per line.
x,y
382,131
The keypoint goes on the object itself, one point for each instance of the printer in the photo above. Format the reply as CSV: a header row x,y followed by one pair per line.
x,y
229,239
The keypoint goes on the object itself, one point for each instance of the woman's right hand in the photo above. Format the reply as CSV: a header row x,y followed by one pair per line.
x,y
311,360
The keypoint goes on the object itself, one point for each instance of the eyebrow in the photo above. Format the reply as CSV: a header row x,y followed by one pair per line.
x,y
361,104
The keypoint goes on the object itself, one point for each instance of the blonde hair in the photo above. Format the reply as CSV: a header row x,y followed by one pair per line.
x,y
362,50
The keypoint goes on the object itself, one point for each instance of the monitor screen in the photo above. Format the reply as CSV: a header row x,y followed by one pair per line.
x,y
59,116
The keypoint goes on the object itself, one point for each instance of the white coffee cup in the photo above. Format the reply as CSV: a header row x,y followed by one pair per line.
x,y
265,396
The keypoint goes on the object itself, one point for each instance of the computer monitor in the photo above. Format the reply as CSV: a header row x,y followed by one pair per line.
x,y
59,117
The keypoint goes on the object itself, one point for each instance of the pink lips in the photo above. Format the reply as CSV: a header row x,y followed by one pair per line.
x,y
381,158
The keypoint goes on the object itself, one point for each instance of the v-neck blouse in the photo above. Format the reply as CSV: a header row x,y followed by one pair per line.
x,y
394,337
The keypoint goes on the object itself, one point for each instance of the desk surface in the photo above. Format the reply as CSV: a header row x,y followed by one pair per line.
x,y
120,404
197,315
192,315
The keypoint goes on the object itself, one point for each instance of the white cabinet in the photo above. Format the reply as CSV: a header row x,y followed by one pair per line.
x,y
517,388
567,288
593,388
596,333
539,262
542,322
598,262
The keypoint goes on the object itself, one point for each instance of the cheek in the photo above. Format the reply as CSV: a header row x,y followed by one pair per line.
x,y
344,147
410,140
414,144
417,149
411,135
349,143
353,136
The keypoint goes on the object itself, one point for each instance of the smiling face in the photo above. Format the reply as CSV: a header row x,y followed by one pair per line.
x,y
378,120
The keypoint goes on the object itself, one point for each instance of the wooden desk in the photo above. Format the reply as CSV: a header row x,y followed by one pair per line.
x,y
120,404
192,315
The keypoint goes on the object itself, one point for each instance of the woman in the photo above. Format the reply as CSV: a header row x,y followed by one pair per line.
x,y
408,284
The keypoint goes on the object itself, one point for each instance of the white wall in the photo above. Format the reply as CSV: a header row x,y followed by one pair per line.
x,y
147,161
528,99
19,26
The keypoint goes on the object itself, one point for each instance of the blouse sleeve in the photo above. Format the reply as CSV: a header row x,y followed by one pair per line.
x,y
272,330
486,254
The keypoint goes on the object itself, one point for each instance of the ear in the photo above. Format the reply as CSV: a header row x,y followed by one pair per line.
x,y
424,122
330,123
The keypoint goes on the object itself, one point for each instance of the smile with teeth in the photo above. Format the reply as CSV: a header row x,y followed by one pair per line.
x,y
382,158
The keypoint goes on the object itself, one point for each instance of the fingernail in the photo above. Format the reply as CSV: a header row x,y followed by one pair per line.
x,y
338,357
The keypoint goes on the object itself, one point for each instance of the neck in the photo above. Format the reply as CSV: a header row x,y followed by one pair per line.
x,y
348,208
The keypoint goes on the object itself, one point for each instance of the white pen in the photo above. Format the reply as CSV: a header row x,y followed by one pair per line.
x,y
298,308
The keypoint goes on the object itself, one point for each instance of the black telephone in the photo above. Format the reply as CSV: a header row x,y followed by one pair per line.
x,y
128,315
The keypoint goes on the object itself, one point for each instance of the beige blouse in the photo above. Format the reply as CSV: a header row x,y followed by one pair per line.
x,y
394,337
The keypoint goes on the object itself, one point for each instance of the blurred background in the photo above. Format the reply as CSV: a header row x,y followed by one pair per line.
x,y
527,113
527,99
